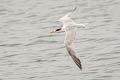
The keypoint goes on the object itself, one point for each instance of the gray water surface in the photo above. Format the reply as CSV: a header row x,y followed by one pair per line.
x,y
28,52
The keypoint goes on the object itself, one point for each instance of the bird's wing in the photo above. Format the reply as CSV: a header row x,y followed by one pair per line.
x,y
69,38
74,57
68,14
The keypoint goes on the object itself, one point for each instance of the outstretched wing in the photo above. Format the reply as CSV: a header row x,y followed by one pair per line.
x,y
68,14
74,57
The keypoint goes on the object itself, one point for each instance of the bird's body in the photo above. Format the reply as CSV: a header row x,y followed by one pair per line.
x,y
70,32
69,26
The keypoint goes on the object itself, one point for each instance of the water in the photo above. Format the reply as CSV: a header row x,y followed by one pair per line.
x,y
28,52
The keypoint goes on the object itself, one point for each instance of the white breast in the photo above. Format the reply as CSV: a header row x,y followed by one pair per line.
x,y
70,34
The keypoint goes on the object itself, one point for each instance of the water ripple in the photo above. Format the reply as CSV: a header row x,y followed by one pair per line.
x,y
9,45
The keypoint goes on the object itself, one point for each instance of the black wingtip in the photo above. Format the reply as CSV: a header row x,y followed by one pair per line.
x,y
81,68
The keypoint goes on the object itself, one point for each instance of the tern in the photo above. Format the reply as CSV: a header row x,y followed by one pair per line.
x,y
69,27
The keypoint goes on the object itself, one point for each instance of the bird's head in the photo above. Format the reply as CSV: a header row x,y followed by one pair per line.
x,y
55,31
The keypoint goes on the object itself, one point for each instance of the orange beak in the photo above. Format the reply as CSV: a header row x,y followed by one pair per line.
x,y
52,32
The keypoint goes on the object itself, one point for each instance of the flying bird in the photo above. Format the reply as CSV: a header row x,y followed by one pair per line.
x,y
69,27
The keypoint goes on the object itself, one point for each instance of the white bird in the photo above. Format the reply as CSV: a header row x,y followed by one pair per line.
x,y
69,27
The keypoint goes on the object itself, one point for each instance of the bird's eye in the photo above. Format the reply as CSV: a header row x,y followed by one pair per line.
x,y
58,29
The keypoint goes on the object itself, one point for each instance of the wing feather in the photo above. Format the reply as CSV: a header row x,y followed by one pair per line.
x,y
75,59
